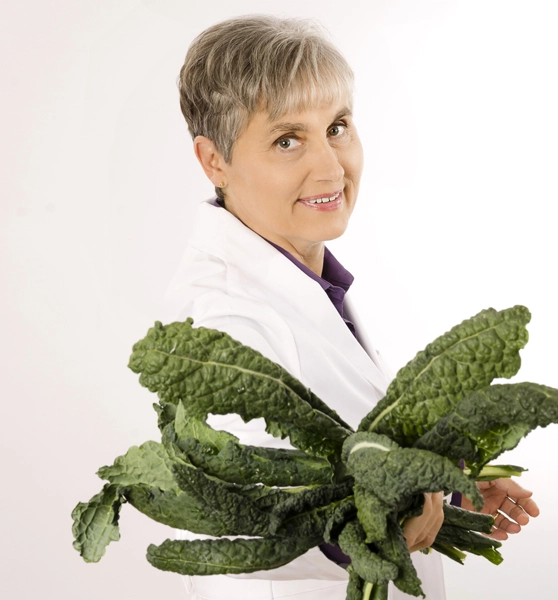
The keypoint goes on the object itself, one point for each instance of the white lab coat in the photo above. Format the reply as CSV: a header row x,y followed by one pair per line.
x,y
232,280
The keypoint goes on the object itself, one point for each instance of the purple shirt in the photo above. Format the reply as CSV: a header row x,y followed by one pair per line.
x,y
335,279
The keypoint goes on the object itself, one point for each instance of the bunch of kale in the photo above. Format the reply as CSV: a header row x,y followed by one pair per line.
x,y
345,488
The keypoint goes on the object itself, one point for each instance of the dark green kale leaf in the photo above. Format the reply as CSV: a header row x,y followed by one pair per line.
x,y
395,550
166,413
372,513
469,541
355,589
466,358
451,552
220,503
252,464
185,499
147,464
168,490
490,421
176,509
214,557
96,523
185,427
468,519
264,498
367,564
394,474
209,372
378,592
219,454
306,512
342,511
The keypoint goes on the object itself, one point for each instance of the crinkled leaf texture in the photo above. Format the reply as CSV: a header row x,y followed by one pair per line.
x,y
221,504
170,491
394,474
372,513
367,564
96,523
394,549
147,469
220,455
307,512
490,421
252,464
468,519
342,512
214,557
470,541
147,464
466,358
344,487
185,427
209,372
355,588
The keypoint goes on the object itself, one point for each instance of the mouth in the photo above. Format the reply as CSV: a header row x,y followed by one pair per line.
x,y
324,200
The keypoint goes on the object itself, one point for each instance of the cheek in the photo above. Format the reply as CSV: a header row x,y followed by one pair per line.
x,y
355,163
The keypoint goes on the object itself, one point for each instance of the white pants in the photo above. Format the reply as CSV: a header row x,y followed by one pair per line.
x,y
225,587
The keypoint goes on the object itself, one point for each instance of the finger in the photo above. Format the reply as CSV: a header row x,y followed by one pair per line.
x,y
511,488
414,527
496,490
529,506
498,534
502,523
514,511
483,485
437,519
420,532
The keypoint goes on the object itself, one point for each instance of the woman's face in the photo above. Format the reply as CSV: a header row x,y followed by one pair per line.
x,y
295,180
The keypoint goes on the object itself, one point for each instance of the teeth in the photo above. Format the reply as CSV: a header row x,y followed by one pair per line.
x,y
324,200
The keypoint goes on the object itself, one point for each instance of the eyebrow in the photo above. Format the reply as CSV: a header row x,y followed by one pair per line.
x,y
286,126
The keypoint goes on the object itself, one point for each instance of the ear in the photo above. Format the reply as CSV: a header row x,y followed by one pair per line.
x,y
210,159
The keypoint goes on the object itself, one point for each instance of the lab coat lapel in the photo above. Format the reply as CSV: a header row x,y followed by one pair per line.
x,y
313,304
258,268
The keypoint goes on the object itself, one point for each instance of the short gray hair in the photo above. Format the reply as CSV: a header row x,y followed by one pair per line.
x,y
258,63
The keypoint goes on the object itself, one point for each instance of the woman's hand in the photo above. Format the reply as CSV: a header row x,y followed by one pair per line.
x,y
420,532
510,504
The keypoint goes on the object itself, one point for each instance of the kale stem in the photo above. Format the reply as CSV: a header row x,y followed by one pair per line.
x,y
379,592
372,591
489,472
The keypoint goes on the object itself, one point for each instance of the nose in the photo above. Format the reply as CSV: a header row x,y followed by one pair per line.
x,y
327,165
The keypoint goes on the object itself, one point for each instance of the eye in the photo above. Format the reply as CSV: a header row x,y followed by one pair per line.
x,y
287,143
337,130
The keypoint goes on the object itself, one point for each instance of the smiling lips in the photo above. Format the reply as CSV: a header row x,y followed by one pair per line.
x,y
323,202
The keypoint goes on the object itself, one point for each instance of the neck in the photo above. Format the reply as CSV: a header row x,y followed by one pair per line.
x,y
312,259
311,255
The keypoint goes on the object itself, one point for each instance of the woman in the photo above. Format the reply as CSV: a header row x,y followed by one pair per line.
x,y
268,103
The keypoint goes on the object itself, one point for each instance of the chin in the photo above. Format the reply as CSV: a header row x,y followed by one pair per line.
x,y
333,232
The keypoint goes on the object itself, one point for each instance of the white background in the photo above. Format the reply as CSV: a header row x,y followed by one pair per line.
x,y
456,106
